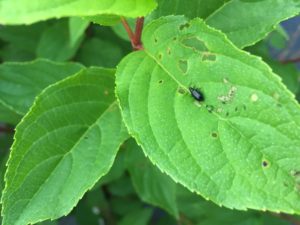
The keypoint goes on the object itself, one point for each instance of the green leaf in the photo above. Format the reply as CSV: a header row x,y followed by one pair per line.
x,y
30,11
245,22
288,72
27,80
121,187
15,37
105,20
191,9
77,27
97,52
8,116
10,53
151,185
278,38
138,217
67,141
196,209
115,172
23,37
3,160
240,146
56,44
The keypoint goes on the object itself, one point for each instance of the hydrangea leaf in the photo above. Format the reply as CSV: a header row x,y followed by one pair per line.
x,y
240,146
30,11
67,141
245,22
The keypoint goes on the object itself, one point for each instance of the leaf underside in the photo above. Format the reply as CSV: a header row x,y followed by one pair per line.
x,y
30,11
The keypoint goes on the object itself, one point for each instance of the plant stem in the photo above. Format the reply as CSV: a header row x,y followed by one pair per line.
x,y
135,37
127,28
138,33
288,218
286,61
6,129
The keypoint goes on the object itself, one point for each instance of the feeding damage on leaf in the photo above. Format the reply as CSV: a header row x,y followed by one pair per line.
x,y
223,134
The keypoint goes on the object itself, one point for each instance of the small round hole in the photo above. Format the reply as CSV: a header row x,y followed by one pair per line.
x,y
214,134
265,163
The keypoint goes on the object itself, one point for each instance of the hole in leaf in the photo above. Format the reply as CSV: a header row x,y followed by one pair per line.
x,y
160,56
295,173
169,51
155,40
160,81
209,108
181,90
254,97
209,57
183,66
183,26
225,80
195,43
265,163
214,134
219,110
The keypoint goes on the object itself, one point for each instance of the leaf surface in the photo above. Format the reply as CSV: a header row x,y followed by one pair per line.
x,y
28,79
30,11
240,146
77,27
191,9
150,184
245,22
56,43
67,141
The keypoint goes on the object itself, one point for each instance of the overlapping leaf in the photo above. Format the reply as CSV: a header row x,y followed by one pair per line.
x,y
56,43
240,146
191,9
30,11
151,185
66,142
20,83
246,22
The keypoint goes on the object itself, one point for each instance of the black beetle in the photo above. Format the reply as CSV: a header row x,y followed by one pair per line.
x,y
197,94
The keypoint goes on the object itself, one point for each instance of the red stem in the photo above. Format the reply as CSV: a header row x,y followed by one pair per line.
x,y
127,28
138,33
135,37
290,60
6,130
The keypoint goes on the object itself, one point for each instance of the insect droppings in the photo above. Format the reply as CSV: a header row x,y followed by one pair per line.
x,y
197,94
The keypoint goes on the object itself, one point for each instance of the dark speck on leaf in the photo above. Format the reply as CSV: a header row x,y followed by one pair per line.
x,y
265,163
214,135
209,108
